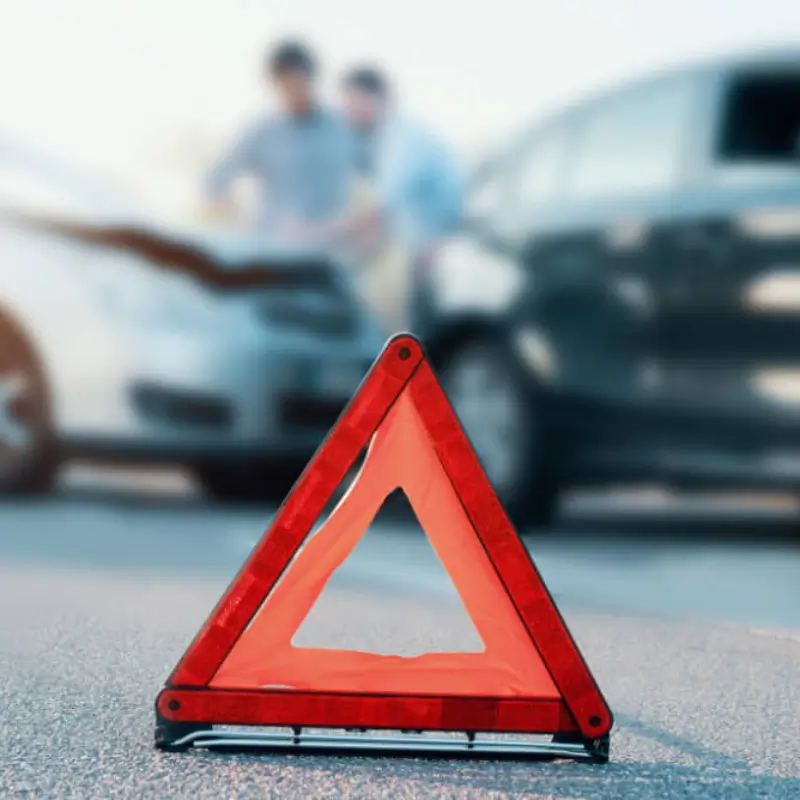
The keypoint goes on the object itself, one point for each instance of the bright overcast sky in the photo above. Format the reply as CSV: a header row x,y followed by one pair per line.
x,y
115,84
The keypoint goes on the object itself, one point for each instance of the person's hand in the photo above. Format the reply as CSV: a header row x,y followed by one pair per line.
x,y
293,231
229,208
226,211
425,259
319,234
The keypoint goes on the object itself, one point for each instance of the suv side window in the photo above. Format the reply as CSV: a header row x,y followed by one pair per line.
x,y
529,173
490,194
760,124
633,142
540,166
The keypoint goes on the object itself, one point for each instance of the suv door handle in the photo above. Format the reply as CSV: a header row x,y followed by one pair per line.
x,y
713,241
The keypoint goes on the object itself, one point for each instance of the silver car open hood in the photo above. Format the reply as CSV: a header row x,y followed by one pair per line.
x,y
218,260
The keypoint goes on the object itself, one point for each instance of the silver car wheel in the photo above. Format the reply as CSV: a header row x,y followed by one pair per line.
x,y
486,397
16,438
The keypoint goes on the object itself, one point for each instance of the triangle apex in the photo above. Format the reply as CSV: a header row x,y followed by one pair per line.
x,y
404,348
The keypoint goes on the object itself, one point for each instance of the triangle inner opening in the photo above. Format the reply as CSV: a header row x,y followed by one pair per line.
x,y
267,654
393,564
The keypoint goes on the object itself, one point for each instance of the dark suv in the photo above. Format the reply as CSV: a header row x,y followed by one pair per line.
x,y
624,305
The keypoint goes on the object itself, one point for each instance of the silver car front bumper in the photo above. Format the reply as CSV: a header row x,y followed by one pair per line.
x,y
173,395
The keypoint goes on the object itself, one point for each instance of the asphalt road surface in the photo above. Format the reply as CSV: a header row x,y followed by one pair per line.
x,y
688,614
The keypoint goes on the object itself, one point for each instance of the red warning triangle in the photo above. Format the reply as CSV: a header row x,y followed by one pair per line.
x,y
242,668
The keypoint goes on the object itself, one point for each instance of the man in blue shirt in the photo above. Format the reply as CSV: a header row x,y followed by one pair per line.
x,y
417,183
301,158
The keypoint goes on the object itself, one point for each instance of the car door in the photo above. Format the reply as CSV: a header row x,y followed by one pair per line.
x,y
600,248
729,301
561,306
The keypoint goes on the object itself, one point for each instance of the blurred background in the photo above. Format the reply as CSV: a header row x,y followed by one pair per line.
x,y
615,313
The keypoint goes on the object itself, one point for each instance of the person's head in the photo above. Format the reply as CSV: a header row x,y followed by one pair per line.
x,y
366,95
292,68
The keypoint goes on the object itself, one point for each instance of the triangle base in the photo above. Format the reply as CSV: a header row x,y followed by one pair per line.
x,y
595,752
190,716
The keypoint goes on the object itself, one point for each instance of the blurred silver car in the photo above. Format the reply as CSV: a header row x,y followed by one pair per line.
x,y
122,341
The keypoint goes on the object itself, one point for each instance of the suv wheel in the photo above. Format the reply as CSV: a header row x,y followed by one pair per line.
x,y
500,412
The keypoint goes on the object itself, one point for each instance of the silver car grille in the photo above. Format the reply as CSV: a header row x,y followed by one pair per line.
x,y
324,314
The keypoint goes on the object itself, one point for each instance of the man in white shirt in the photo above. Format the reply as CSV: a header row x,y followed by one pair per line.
x,y
416,180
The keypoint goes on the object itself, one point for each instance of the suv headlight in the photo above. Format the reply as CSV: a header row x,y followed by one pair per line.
x,y
127,287
537,353
467,273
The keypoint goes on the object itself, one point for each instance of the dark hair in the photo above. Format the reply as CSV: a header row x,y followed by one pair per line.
x,y
367,79
291,56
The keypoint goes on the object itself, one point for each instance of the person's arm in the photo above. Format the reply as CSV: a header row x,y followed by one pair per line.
x,y
238,160
354,225
394,176
451,192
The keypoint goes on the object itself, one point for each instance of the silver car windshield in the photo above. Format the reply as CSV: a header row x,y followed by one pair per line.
x,y
33,183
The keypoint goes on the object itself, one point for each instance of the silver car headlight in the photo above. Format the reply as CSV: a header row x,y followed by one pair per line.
x,y
127,287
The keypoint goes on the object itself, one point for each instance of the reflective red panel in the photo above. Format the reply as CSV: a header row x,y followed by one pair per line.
x,y
317,709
